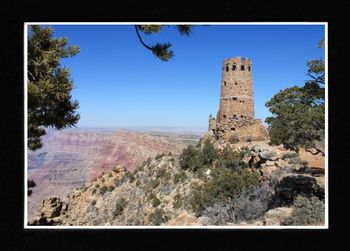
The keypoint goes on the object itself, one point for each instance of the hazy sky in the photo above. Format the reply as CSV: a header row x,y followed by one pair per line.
x,y
119,83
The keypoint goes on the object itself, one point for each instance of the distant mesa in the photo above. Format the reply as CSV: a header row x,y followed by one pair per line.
x,y
235,119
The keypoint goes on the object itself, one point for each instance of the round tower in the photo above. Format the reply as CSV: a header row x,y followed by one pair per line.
x,y
237,97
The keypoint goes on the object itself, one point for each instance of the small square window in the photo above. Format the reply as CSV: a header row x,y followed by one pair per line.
x,y
226,67
234,67
224,116
248,68
242,67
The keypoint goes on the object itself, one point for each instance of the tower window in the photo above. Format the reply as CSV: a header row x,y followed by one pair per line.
x,y
234,116
224,83
234,98
236,83
242,67
224,116
234,67
248,68
233,129
226,67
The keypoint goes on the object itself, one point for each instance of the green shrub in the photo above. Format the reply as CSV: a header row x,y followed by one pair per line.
x,y
103,180
163,173
119,206
153,184
103,189
93,203
193,158
167,175
225,184
245,151
93,191
158,217
304,163
180,177
111,188
138,182
155,202
131,179
151,196
97,185
290,155
177,201
231,159
110,175
146,162
160,173
159,156
207,154
188,157
307,211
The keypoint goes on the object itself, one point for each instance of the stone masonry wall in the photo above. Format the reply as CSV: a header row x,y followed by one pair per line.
x,y
236,113
236,99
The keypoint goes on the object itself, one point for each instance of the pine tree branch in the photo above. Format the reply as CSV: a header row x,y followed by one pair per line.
x,y
140,39
316,79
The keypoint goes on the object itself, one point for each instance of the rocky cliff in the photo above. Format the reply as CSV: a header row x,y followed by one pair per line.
x,y
73,158
162,192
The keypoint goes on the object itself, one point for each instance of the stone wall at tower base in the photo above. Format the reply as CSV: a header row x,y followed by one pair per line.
x,y
239,130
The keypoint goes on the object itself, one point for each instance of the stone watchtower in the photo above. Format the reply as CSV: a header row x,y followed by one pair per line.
x,y
237,99
236,113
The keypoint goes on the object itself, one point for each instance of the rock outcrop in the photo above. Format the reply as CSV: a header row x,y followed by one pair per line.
x,y
291,185
49,211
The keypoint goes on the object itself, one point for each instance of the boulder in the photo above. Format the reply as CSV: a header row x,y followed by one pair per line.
x,y
270,163
268,155
276,216
257,148
291,185
267,170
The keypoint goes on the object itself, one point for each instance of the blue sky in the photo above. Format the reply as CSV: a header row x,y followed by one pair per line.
x,y
119,83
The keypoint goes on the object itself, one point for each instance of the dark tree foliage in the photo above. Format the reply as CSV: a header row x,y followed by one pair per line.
x,y
193,158
49,85
160,50
299,112
231,159
31,184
